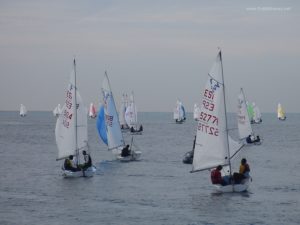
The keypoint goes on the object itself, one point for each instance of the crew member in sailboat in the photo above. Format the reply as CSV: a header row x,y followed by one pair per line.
x,y
69,164
87,160
216,177
243,172
125,151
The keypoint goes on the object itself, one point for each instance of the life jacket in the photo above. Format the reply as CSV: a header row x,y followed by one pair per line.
x,y
216,177
244,168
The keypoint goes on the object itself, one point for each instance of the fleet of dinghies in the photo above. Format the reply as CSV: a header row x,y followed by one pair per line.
x,y
213,146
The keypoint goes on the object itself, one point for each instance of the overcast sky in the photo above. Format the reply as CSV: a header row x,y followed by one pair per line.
x,y
160,49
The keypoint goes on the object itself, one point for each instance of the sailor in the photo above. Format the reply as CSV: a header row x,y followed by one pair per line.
x,y
69,164
87,160
243,172
125,151
216,177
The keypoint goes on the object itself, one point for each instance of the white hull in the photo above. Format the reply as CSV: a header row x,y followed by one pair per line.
x,y
132,157
233,188
89,172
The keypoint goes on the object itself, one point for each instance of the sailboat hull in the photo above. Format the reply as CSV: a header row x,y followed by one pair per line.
x,y
89,172
132,157
233,188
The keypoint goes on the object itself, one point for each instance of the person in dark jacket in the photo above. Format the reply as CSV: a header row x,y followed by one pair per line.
x,y
125,151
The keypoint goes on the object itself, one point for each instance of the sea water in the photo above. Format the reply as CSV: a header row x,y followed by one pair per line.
x,y
158,189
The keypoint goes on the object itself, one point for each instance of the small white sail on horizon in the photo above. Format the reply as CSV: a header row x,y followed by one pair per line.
x,y
280,112
124,105
196,111
57,110
23,110
256,113
179,112
92,111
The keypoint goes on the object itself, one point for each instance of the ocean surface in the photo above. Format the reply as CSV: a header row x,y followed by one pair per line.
x,y
158,189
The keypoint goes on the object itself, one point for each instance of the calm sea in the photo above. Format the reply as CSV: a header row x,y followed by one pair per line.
x,y
158,189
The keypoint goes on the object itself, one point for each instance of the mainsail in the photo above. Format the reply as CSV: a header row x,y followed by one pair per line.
x,y
213,146
114,134
23,110
71,125
131,113
280,112
244,125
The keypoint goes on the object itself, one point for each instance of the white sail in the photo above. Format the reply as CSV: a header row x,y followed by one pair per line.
x,y
212,144
92,111
114,134
179,112
23,110
244,125
256,113
280,112
131,113
122,111
71,125
57,110
196,111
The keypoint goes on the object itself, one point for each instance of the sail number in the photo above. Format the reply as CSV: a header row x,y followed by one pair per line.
x,y
208,129
208,118
209,94
208,105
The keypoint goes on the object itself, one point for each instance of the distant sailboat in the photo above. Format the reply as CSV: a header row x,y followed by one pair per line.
x,y
124,105
280,112
115,140
179,112
23,110
256,114
214,146
71,129
92,111
246,133
131,117
57,110
196,111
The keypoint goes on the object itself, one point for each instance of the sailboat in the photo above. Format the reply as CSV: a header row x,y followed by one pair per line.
x,y
92,111
57,110
71,129
256,114
115,140
280,112
131,117
124,104
250,112
23,110
213,145
244,126
179,112
196,112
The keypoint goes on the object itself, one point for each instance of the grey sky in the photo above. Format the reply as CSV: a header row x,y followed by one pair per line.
x,y
162,50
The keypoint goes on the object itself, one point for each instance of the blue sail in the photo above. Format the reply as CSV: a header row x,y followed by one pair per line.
x,y
101,125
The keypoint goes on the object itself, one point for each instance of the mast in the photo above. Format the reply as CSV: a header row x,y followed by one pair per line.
x,y
226,123
75,114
